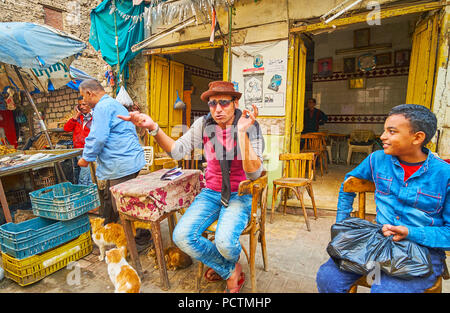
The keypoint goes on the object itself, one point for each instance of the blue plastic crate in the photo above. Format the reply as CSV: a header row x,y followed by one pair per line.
x,y
39,235
64,201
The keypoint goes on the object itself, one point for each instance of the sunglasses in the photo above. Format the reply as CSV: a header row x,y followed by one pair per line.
x,y
223,103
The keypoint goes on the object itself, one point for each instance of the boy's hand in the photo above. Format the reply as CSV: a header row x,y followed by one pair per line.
x,y
399,232
139,119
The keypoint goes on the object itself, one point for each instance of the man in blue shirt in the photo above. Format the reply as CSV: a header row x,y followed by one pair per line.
x,y
412,198
112,142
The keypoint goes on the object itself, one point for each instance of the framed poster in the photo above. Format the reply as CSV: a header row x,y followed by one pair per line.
x,y
402,57
349,65
361,38
325,67
383,59
253,88
357,83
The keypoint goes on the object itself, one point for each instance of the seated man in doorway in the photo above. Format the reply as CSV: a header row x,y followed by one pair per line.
x,y
412,197
233,145
313,117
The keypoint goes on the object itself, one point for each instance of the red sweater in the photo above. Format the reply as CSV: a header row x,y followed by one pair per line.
x,y
79,132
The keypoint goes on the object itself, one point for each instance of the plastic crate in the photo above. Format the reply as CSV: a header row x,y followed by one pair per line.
x,y
39,235
64,201
34,268
44,177
17,200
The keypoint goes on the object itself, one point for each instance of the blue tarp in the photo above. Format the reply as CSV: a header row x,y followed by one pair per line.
x,y
130,31
31,45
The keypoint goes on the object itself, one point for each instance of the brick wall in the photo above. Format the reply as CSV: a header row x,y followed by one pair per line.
x,y
55,105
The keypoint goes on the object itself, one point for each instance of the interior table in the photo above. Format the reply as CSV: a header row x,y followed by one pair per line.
x,y
147,198
339,139
55,157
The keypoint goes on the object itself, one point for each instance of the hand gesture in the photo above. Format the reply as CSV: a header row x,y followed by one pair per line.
x,y
399,232
139,119
76,113
245,122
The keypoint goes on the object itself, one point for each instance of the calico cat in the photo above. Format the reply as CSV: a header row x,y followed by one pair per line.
x,y
122,275
174,257
110,234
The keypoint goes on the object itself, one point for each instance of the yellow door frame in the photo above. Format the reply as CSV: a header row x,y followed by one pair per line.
x,y
362,17
148,53
179,49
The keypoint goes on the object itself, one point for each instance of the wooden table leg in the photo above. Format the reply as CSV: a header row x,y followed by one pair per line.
x,y
157,240
127,227
171,222
4,203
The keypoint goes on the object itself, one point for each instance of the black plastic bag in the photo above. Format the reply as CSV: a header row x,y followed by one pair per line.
x,y
358,246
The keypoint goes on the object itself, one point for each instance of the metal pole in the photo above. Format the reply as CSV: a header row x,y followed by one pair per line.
x,y
230,26
30,99
59,172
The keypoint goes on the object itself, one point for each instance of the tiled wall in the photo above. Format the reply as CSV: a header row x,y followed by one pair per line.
x,y
385,86
379,96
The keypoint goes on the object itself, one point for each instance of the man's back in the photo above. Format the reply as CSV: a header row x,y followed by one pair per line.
x,y
113,141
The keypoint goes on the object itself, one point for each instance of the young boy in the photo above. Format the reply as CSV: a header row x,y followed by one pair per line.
x,y
412,198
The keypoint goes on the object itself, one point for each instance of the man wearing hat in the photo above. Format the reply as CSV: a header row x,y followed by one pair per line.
x,y
233,147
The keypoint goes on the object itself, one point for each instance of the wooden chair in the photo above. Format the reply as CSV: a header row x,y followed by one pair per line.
x,y
170,164
255,228
314,142
360,141
326,148
361,186
194,161
300,180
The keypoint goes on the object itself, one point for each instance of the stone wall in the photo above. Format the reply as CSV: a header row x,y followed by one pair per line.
x,y
75,20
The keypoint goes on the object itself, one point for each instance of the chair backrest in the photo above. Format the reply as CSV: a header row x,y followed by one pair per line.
x,y
194,161
148,154
298,165
170,164
360,186
258,189
323,134
361,136
313,141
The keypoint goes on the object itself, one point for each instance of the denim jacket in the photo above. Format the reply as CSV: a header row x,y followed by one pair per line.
x,y
113,142
421,203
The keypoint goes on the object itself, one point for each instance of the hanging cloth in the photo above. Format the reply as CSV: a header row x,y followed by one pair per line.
x,y
113,17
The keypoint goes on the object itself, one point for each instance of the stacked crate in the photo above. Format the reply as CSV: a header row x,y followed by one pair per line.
x,y
60,233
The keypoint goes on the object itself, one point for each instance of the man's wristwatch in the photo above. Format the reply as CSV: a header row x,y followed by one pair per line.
x,y
155,131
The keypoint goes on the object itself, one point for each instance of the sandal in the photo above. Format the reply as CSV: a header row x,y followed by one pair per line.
x,y
213,277
239,286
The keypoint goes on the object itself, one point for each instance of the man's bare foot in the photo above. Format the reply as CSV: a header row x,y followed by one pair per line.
x,y
233,280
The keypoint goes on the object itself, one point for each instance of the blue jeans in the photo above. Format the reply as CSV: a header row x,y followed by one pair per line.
x,y
222,254
82,174
85,176
330,279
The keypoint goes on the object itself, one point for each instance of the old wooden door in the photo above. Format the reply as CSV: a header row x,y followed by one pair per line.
x,y
166,80
423,62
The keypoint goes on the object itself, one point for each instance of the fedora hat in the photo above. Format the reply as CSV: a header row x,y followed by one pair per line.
x,y
220,88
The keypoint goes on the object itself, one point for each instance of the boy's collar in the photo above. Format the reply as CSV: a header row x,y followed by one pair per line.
x,y
427,151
